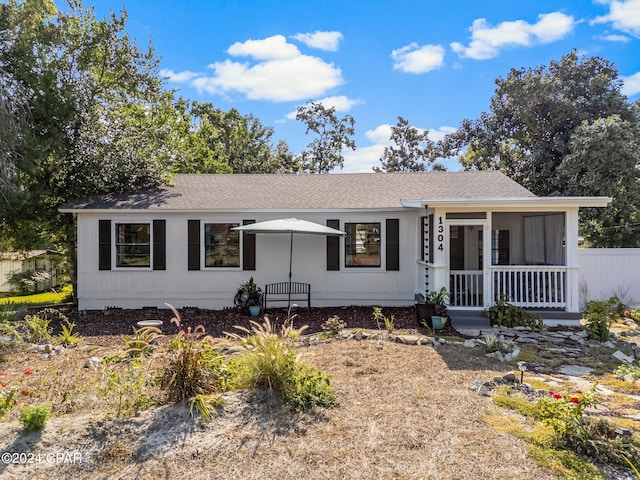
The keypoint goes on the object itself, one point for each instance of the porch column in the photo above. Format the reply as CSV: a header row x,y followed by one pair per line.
x,y
571,251
440,251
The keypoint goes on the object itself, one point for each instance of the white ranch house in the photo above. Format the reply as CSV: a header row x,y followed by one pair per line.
x,y
479,234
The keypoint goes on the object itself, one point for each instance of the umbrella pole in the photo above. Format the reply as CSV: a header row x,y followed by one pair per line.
x,y
290,261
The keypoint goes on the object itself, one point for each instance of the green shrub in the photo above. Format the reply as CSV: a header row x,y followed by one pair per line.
x,y
505,314
333,326
34,418
598,317
270,361
7,401
625,369
126,382
382,319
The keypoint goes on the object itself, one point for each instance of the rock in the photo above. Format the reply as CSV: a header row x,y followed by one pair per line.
x,y
512,355
510,377
484,391
469,343
358,335
92,362
409,339
574,370
476,384
623,357
529,340
609,344
495,355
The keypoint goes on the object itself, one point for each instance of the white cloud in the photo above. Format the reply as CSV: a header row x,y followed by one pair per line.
x,y
180,77
362,160
439,133
270,48
623,15
614,38
341,103
380,135
322,40
276,71
486,40
631,84
414,58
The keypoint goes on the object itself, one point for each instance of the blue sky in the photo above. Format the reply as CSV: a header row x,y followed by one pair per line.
x,y
432,62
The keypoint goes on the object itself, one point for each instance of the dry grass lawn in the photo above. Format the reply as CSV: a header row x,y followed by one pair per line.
x,y
406,412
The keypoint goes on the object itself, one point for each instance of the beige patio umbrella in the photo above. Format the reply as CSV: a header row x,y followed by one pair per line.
x,y
290,226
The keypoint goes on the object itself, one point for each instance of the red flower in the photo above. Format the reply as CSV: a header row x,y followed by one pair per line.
x,y
578,391
574,400
557,396
28,372
552,393
3,385
2,372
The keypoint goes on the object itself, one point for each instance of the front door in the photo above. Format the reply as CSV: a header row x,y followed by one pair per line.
x,y
466,252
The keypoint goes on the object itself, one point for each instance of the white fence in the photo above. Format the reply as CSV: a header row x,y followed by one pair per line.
x,y
532,287
605,272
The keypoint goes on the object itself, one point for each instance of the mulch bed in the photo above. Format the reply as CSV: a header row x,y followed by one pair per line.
x,y
118,322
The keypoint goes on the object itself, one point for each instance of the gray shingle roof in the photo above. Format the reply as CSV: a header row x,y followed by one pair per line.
x,y
309,191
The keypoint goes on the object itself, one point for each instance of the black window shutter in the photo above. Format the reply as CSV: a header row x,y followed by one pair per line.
x,y
104,245
248,248
393,244
159,245
333,247
193,245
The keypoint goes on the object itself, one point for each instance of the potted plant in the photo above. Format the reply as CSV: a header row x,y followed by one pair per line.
x,y
439,300
249,295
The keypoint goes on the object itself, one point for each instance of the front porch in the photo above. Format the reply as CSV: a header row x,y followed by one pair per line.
x,y
480,257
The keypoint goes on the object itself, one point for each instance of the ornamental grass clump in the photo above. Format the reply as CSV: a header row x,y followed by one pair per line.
x,y
196,371
270,361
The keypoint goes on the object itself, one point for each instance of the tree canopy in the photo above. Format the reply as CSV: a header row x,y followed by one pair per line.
x,y
324,153
565,129
414,151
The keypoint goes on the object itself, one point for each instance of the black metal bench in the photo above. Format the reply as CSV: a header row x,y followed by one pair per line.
x,y
286,292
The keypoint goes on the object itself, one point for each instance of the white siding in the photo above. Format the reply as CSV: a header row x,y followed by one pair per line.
x,y
215,287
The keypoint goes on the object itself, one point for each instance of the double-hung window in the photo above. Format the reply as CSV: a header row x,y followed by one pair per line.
x,y
133,245
222,245
362,244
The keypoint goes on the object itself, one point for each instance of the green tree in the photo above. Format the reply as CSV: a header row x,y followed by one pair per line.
x,y
229,142
414,151
97,114
12,118
324,153
540,131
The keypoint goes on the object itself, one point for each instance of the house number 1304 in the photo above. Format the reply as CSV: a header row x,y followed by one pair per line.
x,y
440,234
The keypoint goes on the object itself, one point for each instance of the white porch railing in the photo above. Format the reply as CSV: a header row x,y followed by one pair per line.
x,y
466,288
531,286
